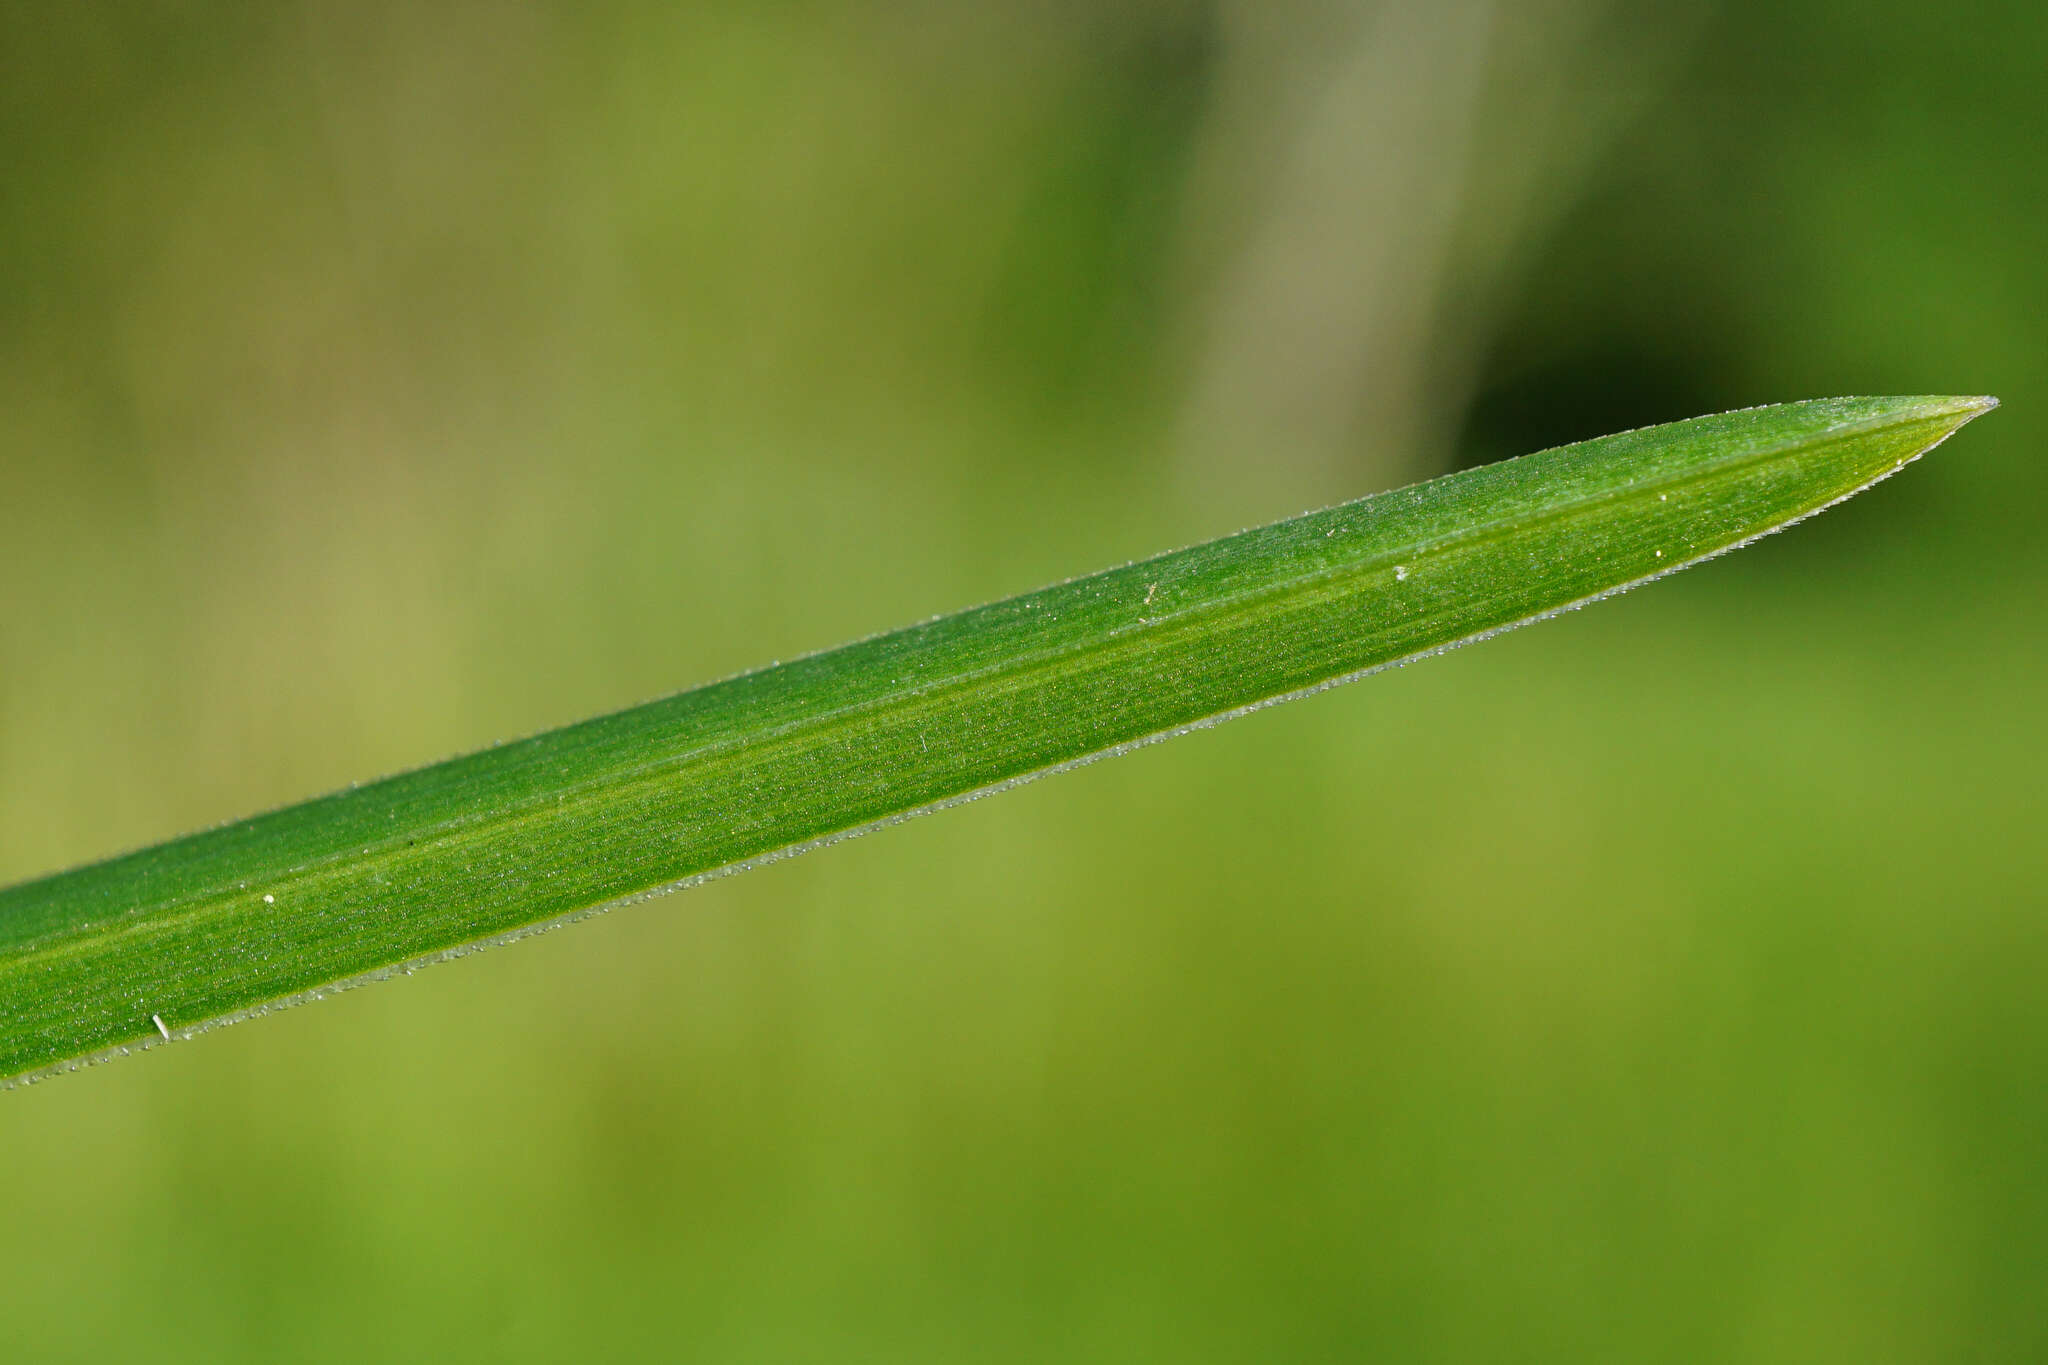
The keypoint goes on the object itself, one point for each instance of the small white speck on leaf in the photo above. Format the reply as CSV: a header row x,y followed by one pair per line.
x,y
1663,497
1660,554
269,899
1400,573
1151,591
158,1020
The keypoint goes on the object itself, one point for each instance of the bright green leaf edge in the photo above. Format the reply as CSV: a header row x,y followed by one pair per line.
x,y
217,926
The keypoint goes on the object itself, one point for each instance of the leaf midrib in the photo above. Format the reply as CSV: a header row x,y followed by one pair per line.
x,y
469,830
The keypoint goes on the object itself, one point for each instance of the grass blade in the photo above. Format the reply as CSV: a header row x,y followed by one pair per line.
x,y
215,926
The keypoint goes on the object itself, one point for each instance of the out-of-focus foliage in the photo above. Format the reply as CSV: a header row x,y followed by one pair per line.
x,y
376,381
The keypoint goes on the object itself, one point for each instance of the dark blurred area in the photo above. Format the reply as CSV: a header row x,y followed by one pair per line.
x,y
378,381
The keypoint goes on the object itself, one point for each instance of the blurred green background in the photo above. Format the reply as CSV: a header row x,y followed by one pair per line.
x,y
1669,982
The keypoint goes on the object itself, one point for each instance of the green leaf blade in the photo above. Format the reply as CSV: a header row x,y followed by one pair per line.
x,y
264,911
